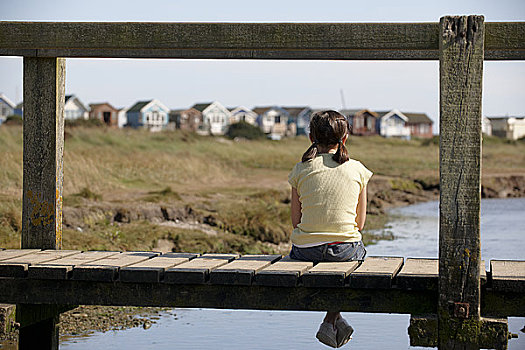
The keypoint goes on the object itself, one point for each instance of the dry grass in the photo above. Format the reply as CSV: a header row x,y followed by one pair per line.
x,y
240,186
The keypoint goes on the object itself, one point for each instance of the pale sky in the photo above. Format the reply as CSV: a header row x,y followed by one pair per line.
x,y
411,86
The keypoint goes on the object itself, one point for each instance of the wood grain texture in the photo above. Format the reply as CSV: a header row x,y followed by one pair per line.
x,y
13,253
18,266
152,270
61,268
395,41
106,269
418,274
44,89
216,296
222,40
241,271
329,274
423,274
461,81
461,78
23,290
508,275
376,272
284,273
196,271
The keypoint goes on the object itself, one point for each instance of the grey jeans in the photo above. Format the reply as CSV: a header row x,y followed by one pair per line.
x,y
330,252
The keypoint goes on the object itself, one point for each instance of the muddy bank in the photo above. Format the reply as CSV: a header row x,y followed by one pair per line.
x,y
387,192
87,319
384,192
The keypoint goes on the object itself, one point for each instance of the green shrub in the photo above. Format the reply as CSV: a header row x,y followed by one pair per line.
x,y
244,130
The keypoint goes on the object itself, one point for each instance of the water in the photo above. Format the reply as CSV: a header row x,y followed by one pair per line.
x,y
416,231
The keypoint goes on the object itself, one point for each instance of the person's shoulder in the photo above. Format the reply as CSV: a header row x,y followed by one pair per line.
x,y
354,163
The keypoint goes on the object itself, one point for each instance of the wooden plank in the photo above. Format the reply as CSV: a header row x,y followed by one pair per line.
x,y
44,90
461,80
13,253
217,296
376,272
395,41
504,41
152,270
195,271
61,268
106,269
242,271
329,274
262,257
23,290
18,266
418,274
228,257
423,274
508,275
284,273
221,40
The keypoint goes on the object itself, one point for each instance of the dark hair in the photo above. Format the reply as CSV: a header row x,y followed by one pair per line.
x,y
328,128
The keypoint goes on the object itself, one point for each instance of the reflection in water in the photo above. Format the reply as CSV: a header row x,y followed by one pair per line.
x,y
416,231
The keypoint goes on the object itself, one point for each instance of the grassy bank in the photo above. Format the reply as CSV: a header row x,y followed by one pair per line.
x,y
128,189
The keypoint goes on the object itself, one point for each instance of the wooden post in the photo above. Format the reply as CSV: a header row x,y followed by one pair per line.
x,y
44,80
461,75
44,88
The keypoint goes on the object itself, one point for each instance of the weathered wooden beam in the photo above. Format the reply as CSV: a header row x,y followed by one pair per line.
x,y
7,319
13,290
44,87
321,41
39,325
31,314
44,95
461,69
493,332
216,296
41,335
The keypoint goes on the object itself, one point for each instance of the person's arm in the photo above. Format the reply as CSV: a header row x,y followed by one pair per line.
x,y
361,209
296,208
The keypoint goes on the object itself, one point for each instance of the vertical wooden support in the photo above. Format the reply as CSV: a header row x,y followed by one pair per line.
x,y
461,75
44,87
41,335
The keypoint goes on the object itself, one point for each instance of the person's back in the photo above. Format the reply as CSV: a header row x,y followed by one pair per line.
x,y
328,192
328,207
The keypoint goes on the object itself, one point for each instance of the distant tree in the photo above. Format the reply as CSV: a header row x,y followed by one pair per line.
x,y
245,130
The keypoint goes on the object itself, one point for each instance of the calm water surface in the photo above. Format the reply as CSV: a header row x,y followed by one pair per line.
x,y
416,231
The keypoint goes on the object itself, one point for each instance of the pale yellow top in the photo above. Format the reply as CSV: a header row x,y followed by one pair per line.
x,y
328,192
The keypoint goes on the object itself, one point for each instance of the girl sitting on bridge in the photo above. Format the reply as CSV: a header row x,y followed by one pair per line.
x,y
328,207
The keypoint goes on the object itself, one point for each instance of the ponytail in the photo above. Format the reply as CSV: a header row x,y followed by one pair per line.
x,y
310,153
327,129
341,155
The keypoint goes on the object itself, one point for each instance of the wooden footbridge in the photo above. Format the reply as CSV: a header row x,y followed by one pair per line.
x,y
43,280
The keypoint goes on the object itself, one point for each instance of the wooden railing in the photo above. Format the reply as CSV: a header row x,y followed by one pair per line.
x,y
460,43
298,41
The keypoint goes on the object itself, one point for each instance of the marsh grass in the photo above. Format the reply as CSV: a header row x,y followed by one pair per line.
x,y
239,186
166,194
